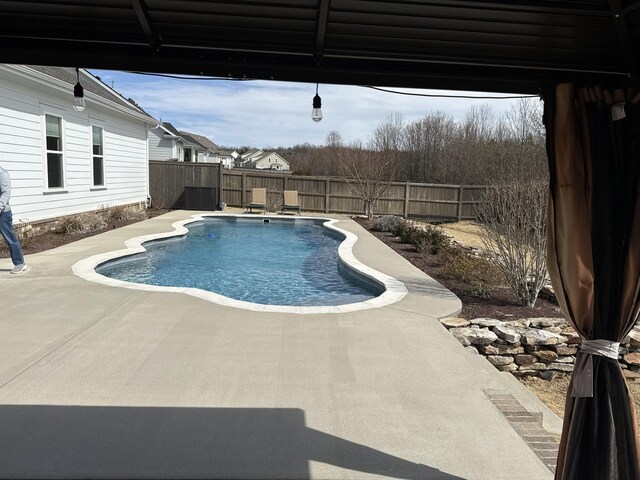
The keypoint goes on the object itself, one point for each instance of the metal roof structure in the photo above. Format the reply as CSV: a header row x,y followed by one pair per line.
x,y
513,46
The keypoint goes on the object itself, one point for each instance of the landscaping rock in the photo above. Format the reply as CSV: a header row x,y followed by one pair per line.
x,y
486,322
557,330
561,367
632,359
524,359
531,336
547,293
634,338
499,360
512,367
500,349
535,366
471,349
525,373
631,375
564,350
565,360
520,323
543,322
508,334
454,322
572,336
470,336
549,375
546,355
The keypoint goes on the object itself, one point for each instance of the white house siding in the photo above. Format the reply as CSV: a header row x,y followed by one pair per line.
x,y
272,161
161,147
23,103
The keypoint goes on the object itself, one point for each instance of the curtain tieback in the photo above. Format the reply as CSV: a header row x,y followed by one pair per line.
x,y
583,372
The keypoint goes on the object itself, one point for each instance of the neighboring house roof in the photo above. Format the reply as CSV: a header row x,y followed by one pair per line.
x,y
90,83
268,154
189,139
171,128
251,153
202,140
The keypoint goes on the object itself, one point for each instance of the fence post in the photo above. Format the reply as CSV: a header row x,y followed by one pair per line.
x,y
407,190
460,192
221,186
327,189
243,192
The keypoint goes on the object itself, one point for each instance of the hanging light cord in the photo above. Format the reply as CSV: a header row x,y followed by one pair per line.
x,y
230,79
447,96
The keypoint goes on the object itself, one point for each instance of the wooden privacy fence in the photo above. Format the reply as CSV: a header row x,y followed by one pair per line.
x,y
168,180
334,195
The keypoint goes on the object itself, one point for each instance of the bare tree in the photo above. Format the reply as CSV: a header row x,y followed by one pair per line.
x,y
514,219
368,173
333,139
427,142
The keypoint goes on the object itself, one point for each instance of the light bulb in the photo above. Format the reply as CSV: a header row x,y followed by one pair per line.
x,y
78,94
316,113
78,104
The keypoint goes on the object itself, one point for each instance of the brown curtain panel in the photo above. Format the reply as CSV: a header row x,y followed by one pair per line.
x,y
593,144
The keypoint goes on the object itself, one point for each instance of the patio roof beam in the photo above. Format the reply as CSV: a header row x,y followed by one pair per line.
x,y
142,12
620,23
321,30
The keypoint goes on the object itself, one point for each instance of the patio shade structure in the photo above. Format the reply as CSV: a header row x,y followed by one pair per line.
x,y
519,46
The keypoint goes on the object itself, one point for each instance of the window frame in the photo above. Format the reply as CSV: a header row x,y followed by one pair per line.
x,y
92,157
45,160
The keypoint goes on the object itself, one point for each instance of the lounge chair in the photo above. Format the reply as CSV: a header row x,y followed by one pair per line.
x,y
258,199
291,201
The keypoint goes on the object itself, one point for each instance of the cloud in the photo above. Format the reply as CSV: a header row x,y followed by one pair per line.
x,y
262,113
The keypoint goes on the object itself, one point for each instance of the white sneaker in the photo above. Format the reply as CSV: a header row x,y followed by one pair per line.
x,y
22,268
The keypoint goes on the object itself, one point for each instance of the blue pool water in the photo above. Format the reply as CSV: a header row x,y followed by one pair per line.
x,y
277,263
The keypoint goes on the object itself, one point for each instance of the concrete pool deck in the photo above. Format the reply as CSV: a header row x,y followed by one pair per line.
x,y
99,381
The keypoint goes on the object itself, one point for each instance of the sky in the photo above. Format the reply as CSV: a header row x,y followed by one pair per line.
x,y
278,114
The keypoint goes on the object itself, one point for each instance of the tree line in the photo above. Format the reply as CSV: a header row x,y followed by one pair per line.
x,y
480,149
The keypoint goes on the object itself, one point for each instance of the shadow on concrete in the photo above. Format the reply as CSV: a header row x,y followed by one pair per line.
x,y
428,287
132,442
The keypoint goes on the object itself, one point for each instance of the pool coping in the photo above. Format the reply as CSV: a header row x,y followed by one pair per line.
x,y
394,290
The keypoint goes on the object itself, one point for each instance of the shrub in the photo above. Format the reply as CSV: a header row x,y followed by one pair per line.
x,y
399,227
432,240
514,217
411,234
386,223
426,238
476,271
83,223
127,212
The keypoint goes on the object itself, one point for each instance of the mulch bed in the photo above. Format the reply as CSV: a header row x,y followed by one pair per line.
x,y
48,240
501,303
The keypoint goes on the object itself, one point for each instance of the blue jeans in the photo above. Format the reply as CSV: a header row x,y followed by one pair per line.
x,y
9,235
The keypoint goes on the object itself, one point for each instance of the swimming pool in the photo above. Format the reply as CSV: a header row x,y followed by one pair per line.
x,y
301,265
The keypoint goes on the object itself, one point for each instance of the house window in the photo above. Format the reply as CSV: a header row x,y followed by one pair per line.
x,y
98,156
55,165
187,154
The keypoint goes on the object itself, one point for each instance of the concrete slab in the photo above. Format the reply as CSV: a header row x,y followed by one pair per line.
x,y
99,381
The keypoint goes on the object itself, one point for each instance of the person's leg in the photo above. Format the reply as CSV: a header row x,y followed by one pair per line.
x,y
9,236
